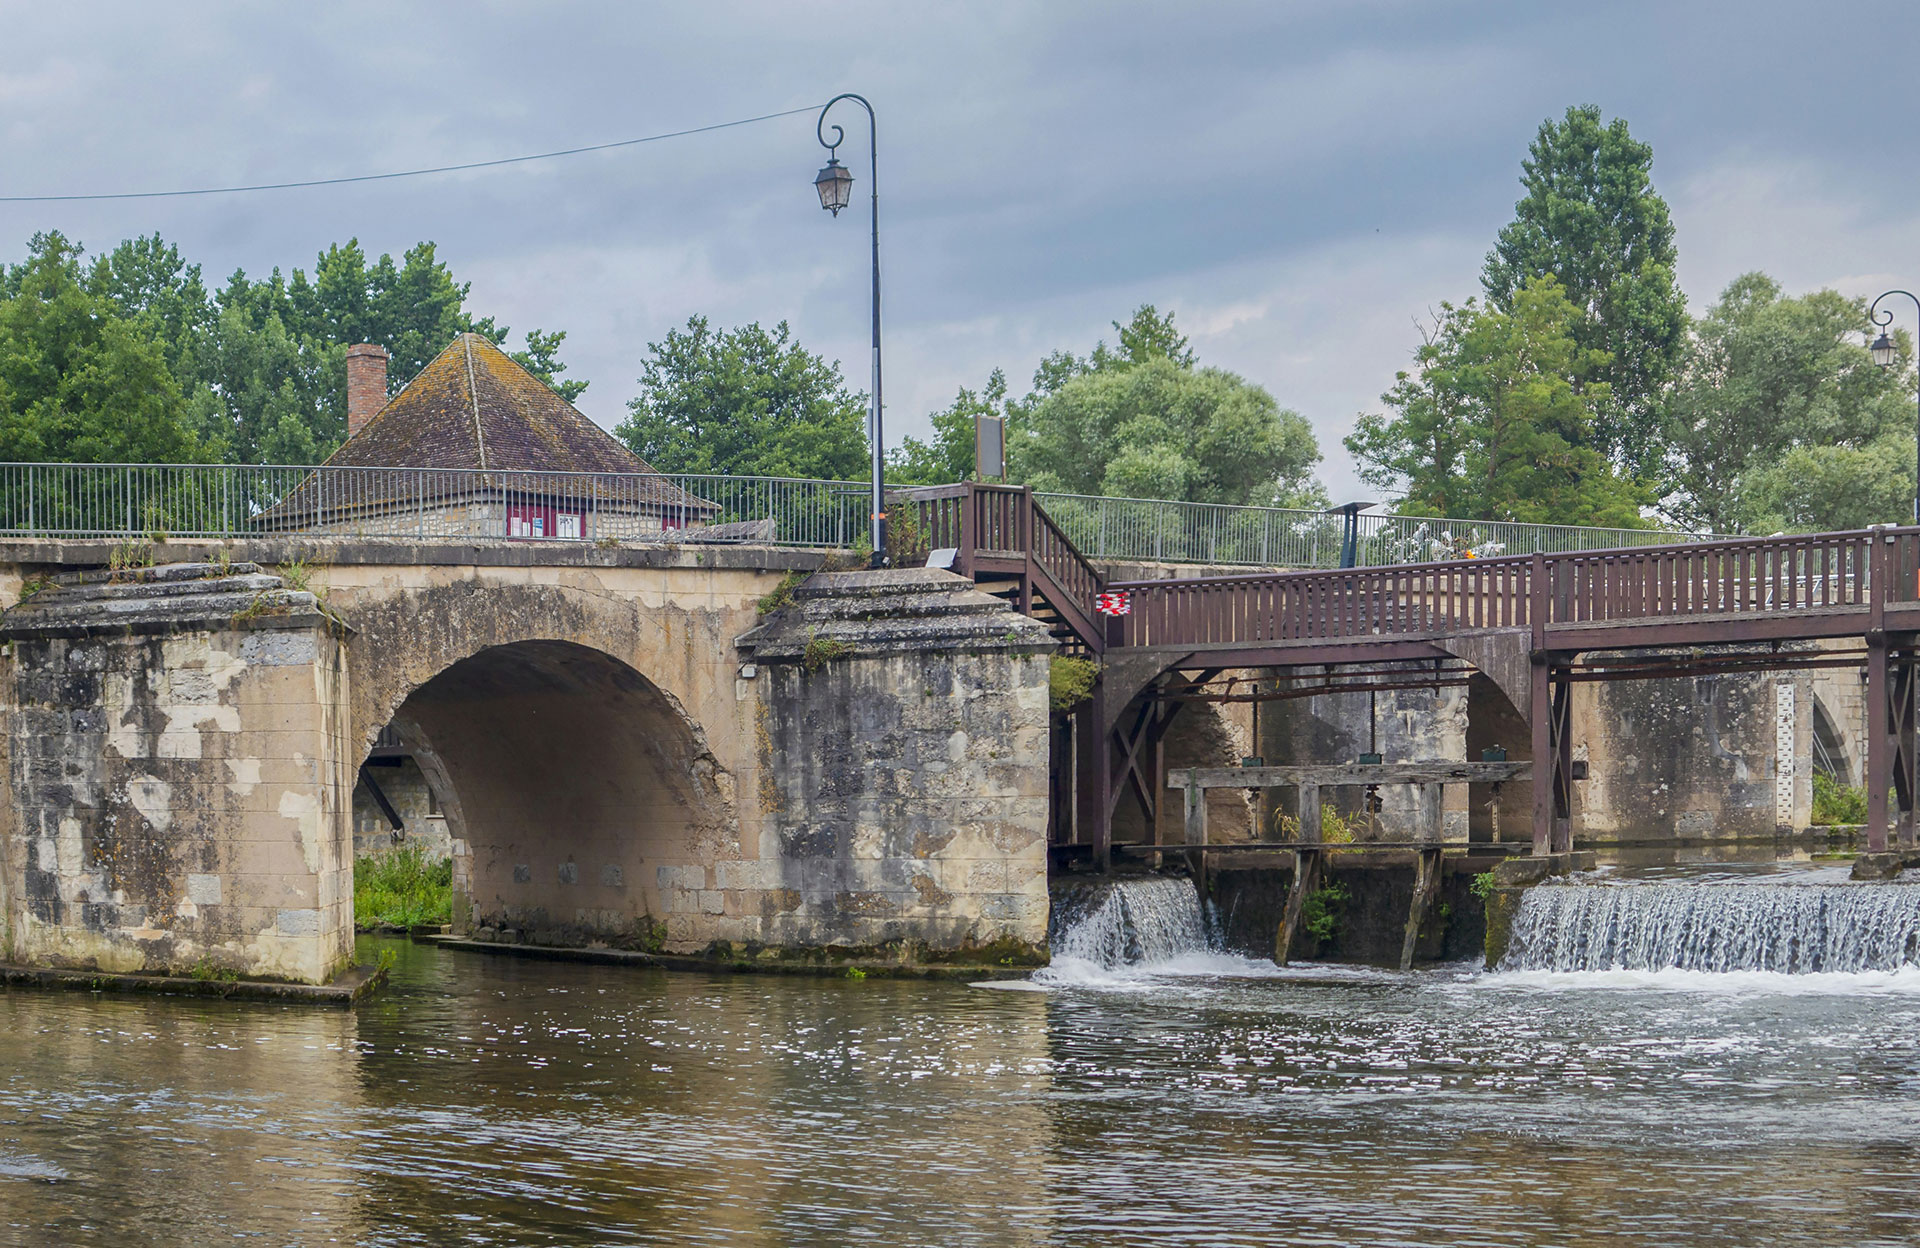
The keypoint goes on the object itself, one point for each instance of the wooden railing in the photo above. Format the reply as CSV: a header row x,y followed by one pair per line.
x,y
1862,571
999,528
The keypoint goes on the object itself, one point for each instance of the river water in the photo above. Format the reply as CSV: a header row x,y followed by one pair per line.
x,y
1202,1099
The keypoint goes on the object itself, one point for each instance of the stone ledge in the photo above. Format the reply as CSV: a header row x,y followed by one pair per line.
x,y
894,611
502,552
876,968
350,986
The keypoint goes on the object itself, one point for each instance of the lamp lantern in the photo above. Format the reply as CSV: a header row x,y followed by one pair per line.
x,y
835,184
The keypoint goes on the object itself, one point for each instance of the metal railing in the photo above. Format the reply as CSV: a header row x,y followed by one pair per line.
x,y
418,504
1173,532
424,504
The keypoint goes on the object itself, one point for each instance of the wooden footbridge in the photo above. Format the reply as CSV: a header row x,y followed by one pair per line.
x,y
1534,624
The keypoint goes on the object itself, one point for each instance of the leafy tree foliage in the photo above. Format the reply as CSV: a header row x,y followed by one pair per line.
x,y
745,402
79,381
1781,420
257,370
1590,219
1140,420
1490,425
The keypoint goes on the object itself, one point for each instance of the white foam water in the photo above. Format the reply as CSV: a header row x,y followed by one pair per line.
x,y
1130,932
1791,929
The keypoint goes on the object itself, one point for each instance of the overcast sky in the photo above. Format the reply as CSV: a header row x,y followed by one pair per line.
x,y
1299,182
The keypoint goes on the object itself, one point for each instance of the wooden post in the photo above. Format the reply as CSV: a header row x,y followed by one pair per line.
x,y
1562,764
1901,706
1426,882
1306,873
1102,760
1196,830
1879,764
1540,710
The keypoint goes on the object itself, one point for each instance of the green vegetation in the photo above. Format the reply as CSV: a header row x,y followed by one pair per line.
x,y
745,402
402,889
1069,681
821,651
1591,221
1836,803
1322,910
1143,421
1494,422
297,575
1482,885
781,595
128,357
205,971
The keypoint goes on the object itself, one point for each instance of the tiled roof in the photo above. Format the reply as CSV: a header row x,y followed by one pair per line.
x,y
474,407
475,415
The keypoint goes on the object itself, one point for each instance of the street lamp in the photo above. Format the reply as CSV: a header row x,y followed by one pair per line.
x,y
835,184
1883,353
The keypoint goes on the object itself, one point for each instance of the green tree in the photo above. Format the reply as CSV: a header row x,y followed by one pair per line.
x,y
948,456
1154,429
1489,425
79,381
745,402
1590,219
1174,431
1781,420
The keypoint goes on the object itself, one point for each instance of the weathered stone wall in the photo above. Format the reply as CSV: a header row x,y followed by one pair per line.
x,y
177,778
903,731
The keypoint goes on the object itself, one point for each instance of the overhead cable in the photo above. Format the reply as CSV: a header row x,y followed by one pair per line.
x,y
404,173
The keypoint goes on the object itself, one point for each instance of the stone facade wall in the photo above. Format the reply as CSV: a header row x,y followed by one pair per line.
x,y
905,778
176,787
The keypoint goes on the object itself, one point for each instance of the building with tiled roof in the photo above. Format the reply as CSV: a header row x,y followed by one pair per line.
x,y
476,446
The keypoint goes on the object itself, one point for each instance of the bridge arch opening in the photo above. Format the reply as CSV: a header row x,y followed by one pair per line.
x,y
567,781
1830,756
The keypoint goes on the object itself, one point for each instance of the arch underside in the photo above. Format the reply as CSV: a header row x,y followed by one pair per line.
x,y
575,791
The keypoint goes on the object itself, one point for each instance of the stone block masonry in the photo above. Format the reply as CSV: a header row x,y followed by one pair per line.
x,y
904,750
177,779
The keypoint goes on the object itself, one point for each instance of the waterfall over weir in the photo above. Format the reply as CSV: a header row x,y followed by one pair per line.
x,y
1788,928
1129,923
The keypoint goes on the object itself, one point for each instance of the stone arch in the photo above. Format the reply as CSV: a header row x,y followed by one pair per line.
x,y
1830,753
581,793
577,790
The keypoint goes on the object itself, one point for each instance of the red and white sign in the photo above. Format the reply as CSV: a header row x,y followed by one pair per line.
x,y
1117,602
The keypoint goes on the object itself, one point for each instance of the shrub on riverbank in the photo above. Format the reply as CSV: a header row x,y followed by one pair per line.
x,y
402,889
1836,803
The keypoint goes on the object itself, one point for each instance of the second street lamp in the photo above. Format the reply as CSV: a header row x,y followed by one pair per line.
x,y
1884,352
835,184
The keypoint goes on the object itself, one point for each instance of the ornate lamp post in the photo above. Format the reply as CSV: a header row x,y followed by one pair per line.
x,y
835,184
1883,354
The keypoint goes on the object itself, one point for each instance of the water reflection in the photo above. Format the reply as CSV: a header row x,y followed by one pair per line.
x,y
491,1101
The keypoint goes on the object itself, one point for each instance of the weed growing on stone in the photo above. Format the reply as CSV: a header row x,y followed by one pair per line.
x,y
1482,885
781,595
34,585
821,651
403,888
128,555
297,575
1320,912
205,971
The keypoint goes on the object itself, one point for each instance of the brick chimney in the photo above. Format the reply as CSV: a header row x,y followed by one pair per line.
x,y
366,383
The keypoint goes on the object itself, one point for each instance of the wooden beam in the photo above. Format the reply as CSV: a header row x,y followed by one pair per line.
x,y
1438,771
1426,882
1306,874
380,800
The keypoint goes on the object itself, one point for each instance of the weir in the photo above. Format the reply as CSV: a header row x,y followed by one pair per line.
x,y
1128,922
1794,928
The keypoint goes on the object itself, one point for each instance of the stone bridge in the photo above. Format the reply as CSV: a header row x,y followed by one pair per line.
x,y
625,752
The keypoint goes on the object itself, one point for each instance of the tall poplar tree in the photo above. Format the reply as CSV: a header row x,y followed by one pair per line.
x,y
1591,220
